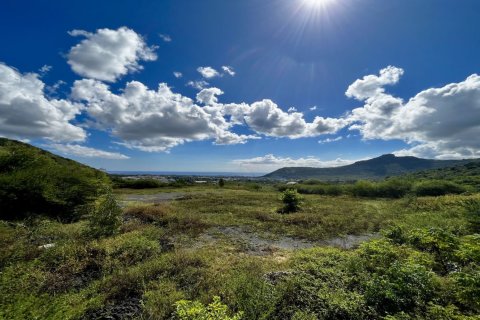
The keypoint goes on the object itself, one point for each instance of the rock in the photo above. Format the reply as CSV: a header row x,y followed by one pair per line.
x,y
47,246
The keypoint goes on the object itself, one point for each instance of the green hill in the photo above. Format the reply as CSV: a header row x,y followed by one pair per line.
x,y
467,174
374,169
34,181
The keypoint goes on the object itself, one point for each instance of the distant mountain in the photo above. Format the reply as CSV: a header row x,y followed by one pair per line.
x,y
376,168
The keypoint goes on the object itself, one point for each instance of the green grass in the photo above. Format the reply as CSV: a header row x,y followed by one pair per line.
x,y
426,264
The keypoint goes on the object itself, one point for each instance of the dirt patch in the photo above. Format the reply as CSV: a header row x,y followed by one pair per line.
x,y
152,198
255,244
121,310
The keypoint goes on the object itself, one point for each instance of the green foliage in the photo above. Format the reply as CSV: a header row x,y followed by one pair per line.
x,y
33,181
291,200
143,183
160,300
106,218
437,188
194,310
221,182
423,264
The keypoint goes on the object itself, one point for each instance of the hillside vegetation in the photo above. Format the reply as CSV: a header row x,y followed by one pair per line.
x,y
34,181
233,251
372,169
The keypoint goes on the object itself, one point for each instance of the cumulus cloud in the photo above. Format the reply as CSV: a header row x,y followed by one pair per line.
x,y
25,111
177,74
208,72
109,54
153,120
209,96
228,70
85,152
271,162
267,118
437,122
313,108
199,84
372,85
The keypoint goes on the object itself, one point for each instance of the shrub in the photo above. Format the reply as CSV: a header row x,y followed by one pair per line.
x,y
143,183
194,310
105,220
437,188
221,183
291,200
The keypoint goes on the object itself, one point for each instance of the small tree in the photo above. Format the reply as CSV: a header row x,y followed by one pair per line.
x,y
291,200
105,220
221,183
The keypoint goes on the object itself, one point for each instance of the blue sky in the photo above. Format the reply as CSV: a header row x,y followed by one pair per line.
x,y
297,82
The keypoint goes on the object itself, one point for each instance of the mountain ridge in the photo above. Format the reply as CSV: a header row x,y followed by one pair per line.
x,y
376,168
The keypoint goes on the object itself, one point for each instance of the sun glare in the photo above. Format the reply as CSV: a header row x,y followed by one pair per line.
x,y
317,3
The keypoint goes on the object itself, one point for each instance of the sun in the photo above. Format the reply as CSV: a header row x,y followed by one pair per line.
x,y
317,3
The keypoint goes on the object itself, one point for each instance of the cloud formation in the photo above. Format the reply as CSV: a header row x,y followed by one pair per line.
x,y
271,162
152,120
25,111
109,54
86,152
228,70
208,72
328,140
437,122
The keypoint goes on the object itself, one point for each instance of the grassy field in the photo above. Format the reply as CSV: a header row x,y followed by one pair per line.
x,y
419,259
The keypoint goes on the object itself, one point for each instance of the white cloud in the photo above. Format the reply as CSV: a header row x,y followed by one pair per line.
x,y
109,54
328,140
208,72
209,96
267,118
165,37
437,122
25,111
44,69
85,152
199,84
271,162
54,87
228,70
372,85
313,108
153,120
292,109
177,74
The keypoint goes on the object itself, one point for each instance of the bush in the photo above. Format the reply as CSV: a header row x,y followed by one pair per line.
x,y
291,200
437,188
143,183
105,220
221,182
194,310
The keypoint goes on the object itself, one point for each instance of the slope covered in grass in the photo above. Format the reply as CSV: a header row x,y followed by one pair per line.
x,y
34,181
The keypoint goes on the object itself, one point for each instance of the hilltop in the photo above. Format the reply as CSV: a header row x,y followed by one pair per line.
x,y
376,168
